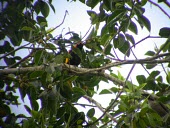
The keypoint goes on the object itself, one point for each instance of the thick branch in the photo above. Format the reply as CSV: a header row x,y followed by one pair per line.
x,y
21,70
150,60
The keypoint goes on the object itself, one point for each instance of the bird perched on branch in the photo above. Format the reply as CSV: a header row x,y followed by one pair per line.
x,y
74,58
157,106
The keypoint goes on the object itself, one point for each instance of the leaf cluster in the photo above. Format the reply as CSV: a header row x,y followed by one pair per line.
x,y
59,87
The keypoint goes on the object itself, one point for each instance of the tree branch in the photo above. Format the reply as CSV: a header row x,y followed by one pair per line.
x,y
160,7
77,70
101,108
14,51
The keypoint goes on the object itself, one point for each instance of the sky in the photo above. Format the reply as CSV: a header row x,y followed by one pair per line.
x,y
78,21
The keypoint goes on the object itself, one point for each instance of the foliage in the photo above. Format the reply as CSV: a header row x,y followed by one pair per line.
x,y
42,74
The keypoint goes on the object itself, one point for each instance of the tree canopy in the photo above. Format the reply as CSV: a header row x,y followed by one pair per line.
x,y
43,74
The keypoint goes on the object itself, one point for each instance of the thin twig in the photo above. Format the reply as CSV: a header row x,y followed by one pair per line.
x,y
66,12
140,42
22,60
141,64
104,111
160,8
14,50
87,32
77,70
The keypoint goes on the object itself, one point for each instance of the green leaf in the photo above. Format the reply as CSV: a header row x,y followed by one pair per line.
x,y
125,25
114,89
34,105
151,85
104,30
9,61
164,32
44,8
50,46
66,91
161,1
116,14
28,109
142,123
150,53
52,7
151,120
91,113
105,39
143,2
168,76
105,91
36,74
108,48
114,17
59,59
35,114
41,20
26,28
93,15
153,74
38,57
5,110
125,48
141,79
121,39
92,3
37,7
79,90
145,21
133,27
150,66
130,38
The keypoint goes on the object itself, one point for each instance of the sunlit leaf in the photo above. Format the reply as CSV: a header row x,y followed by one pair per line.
x,y
105,91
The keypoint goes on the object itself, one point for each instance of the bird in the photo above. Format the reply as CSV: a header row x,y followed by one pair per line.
x,y
157,106
74,59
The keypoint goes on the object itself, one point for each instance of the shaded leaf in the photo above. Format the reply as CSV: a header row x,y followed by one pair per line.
x,y
91,113
79,90
38,57
164,32
130,38
92,3
44,8
37,7
145,22
133,27
141,79
125,48
150,53
28,109
108,49
93,15
150,66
